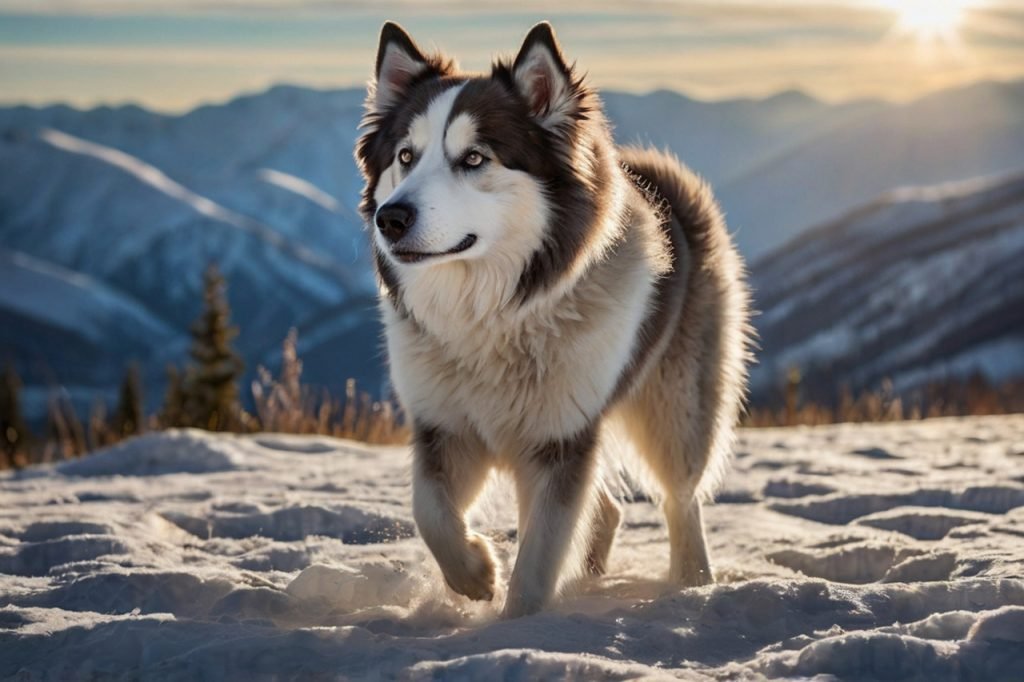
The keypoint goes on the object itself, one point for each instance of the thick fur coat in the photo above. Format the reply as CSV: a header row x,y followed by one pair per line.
x,y
540,288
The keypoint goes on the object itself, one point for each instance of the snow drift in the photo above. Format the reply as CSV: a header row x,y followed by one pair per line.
x,y
891,551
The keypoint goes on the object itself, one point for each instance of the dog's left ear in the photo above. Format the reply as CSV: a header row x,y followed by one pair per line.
x,y
543,77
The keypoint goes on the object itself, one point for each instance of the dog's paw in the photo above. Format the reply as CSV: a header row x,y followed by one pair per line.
x,y
475,575
519,604
691,576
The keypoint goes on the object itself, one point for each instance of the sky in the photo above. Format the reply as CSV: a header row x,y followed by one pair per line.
x,y
171,55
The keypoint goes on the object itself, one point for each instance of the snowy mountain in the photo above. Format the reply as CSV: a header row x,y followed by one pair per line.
x,y
50,312
916,286
138,203
141,203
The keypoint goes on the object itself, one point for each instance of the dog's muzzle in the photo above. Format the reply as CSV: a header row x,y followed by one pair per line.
x,y
395,220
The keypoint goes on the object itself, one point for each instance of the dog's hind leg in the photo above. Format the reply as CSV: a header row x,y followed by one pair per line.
x,y
555,481
676,451
689,564
606,522
448,472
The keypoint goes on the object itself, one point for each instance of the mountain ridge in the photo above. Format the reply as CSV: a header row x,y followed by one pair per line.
x,y
282,158
919,285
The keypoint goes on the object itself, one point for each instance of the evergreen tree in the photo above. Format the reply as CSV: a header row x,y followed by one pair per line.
x,y
211,385
129,419
14,433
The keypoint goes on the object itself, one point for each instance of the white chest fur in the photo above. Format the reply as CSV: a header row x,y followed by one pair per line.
x,y
517,375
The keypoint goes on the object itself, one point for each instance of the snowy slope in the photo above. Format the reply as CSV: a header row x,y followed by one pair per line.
x,y
888,551
142,203
52,295
921,284
58,325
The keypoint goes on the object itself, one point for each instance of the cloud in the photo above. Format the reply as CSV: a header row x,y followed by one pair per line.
x,y
775,10
211,49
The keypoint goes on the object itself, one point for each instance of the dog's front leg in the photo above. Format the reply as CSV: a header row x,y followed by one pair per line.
x,y
559,477
448,473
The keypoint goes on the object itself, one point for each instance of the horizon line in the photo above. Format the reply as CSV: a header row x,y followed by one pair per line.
x,y
246,93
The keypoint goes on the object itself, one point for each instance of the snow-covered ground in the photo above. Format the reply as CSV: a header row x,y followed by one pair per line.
x,y
886,551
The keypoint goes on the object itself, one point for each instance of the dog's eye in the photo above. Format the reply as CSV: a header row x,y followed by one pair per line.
x,y
405,156
473,160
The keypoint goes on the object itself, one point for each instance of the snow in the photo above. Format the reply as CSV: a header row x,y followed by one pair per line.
x,y
930,195
303,188
861,552
158,180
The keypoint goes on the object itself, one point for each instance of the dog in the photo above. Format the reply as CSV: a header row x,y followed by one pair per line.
x,y
543,290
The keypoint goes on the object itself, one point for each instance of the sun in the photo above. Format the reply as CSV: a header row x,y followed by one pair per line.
x,y
929,19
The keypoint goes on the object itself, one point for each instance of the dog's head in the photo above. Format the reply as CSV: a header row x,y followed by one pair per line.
x,y
505,168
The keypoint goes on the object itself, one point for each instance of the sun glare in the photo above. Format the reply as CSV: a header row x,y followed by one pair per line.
x,y
929,19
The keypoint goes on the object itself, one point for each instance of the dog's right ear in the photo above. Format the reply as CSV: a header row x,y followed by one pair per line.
x,y
399,62
543,78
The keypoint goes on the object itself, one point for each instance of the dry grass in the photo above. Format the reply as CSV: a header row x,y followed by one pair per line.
x,y
953,398
356,416
285,405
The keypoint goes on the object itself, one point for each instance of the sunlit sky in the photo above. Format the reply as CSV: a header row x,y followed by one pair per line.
x,y
172,54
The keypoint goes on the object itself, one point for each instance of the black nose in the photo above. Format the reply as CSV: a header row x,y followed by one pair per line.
x,y
394,220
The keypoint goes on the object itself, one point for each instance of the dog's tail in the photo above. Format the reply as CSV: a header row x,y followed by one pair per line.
x,y
716,282
672,186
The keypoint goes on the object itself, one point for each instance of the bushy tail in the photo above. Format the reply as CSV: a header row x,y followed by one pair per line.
x,y
716,268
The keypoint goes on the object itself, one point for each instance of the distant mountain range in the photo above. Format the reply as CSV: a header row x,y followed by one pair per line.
x,y
954,135
108,217
917,286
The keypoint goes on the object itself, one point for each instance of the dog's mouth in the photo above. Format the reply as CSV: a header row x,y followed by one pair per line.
x,y
420,256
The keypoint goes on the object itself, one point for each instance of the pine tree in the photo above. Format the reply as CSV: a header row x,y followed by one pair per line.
x,y
129,419
14,433
211,385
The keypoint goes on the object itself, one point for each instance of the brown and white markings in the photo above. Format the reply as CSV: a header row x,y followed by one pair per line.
x,y
542,288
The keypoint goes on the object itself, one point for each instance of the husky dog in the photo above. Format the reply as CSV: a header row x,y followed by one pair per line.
x,y
540,285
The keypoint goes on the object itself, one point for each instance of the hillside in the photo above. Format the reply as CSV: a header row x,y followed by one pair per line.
x,y
920,284
140,204
50,312
845,552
